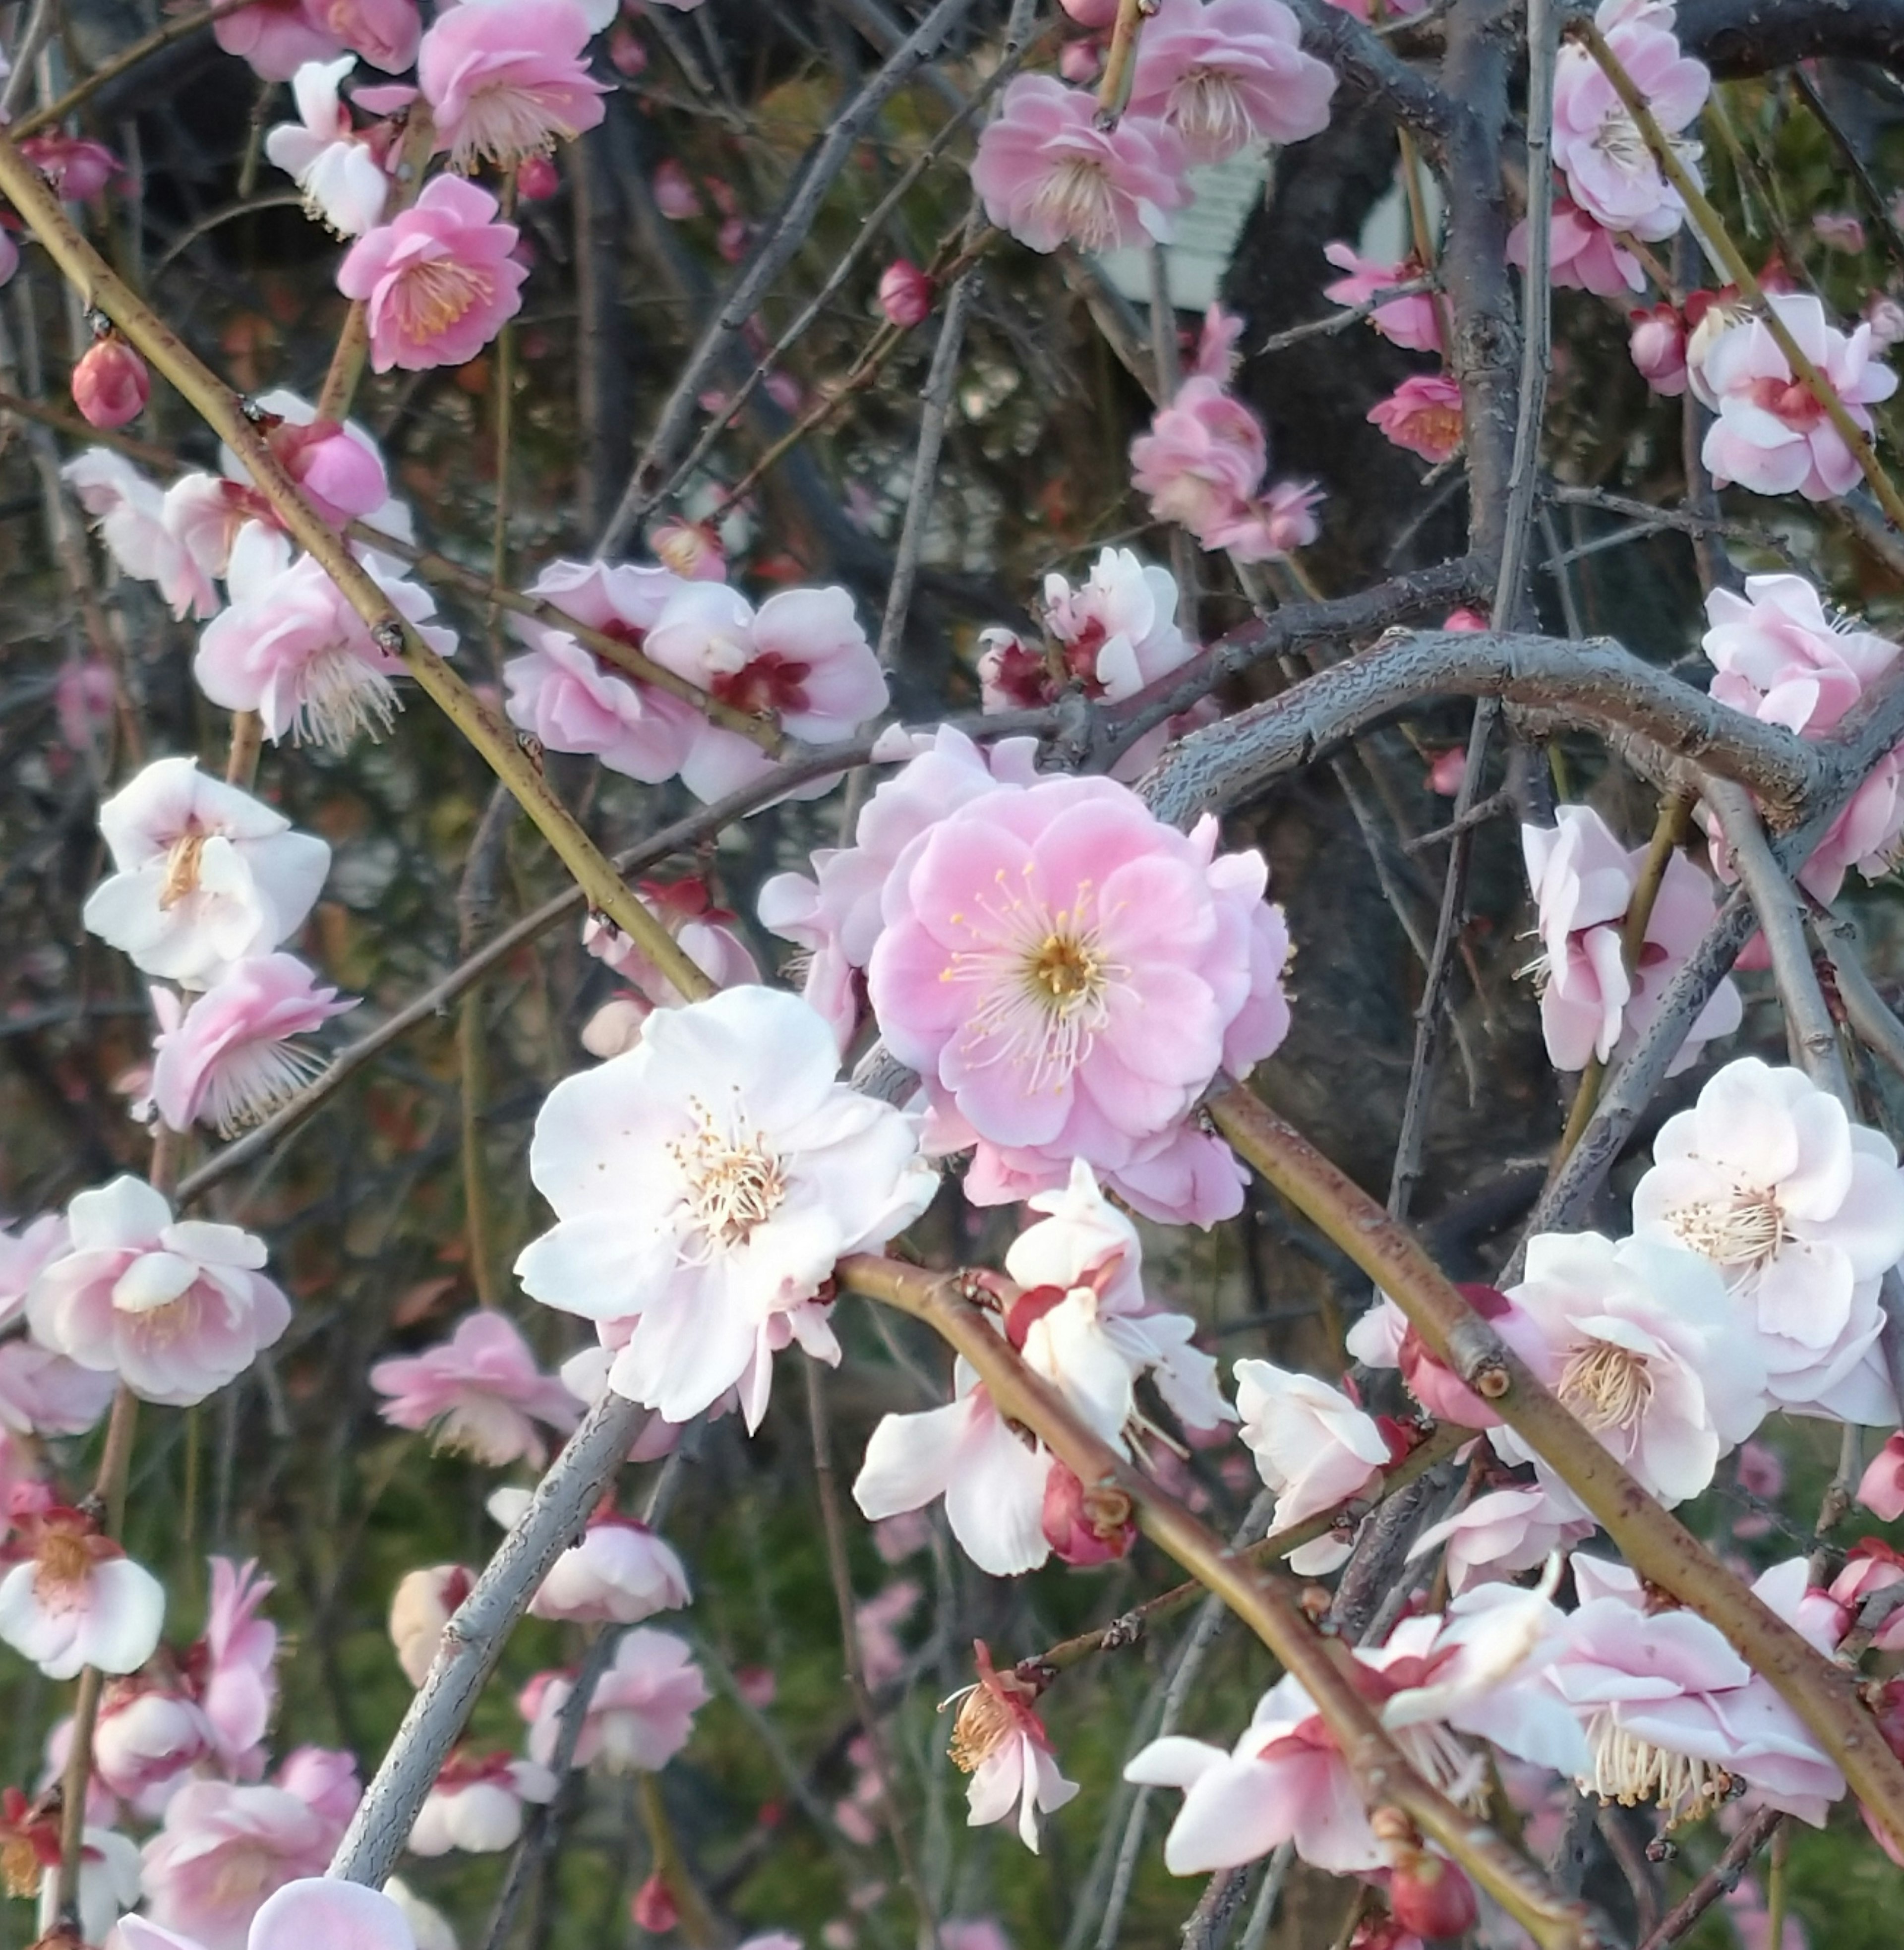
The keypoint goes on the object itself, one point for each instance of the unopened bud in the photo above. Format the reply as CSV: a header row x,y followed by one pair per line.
x,y
653,1909
1431,1897
905,294
110,384
537,178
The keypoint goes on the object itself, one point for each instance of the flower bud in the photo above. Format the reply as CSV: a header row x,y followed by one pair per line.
x,y
653,1909
1435,1385
691,549
905,294
537,178
420,1611
1086,1526
1658,344
110,384
1431,1897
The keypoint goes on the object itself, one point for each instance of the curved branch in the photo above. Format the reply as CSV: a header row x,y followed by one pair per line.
x,y
1748,37
1371,69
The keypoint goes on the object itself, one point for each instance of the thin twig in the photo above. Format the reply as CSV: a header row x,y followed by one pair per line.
x,y
1718,1881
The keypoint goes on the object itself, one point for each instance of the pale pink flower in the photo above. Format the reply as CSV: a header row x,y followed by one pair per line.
x,y
385,31
694,549
480,1392
972,1932
1423,414
1657,343
1093,14
206,875
617,1572
476,1804
277,37
1784,659
339,467
130,512
507,82
109,1885
1068,974
343,183
176,1308
229,1058
80,168
641,1713
905,294
1413,321
1881,1488
705,1185
876,1623
1872,1566
1313,1446
1771,435
803,658
1203,458
1227,74
73,1598
427,1924
674,194
439,280
1583,880
44,1394
325,1779
999,1740
22,1256
420,1608
1278,523
204,514
233,1667
1116,633
1641,1342
1582,255
150,1735
85,697
1885,315
1506,1531
1049,174
1610,172
699,928
236,1871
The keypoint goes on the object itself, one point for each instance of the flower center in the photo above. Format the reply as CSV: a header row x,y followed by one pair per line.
x,y
1077,199
1744,1231
996,1710
1208,108
1629,1770
1607,1387
338,695
771,683
1438,426
431,296
1790,401
734,1184
1067,970
182,866
60,1559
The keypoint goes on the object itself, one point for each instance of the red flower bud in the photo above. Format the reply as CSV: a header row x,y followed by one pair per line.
x,y
110,384
1435,1385
653,1909
905,294
1086,1526
1431,1897
537,178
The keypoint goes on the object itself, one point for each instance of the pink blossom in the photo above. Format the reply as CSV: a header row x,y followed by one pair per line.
x,y
131,515
22,1256
79,169
108,1884
214,1872
439,280
642,1711
385,32
1227,74
420,1608
1312,1447
1203,458
1582,254
1590,1003
999,1740
1657,343
1771,435
206,874
1092,14
176,1307
343,183
699,928
1872,1566
150,1735
876,1621
73,1598
233,1667
1067,974
1610,172
674,194
1412,322
110,384
44,1394
84,700
1839,230
692,549
338,468
480,1392
1885,315
1506,1531
505,83
229,1058
277,37
317,1910
905,294
1881,1487
1047,173
1760,1473
1277,523
476,1804
617,1572
1423,414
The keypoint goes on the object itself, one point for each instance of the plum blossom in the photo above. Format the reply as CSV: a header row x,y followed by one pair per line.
x,y
905,294
293,649
999,1740
428,1925
109,1884
110,384
1068,975
233,1667
1610,172
1505,1531
617,1572
1583,255
1411,321
1657,343
420,1608
345,185
206,875
642,1712
1640,1341
131,514
294,1915
803,658
80,168
230,1057
476,1804
439,280
1881,1487
176,1308
1227,74
1423,414
277,37
1440,1683
505,83
1203,458
1771,434
73,1598
479,1392
150,1735
1801,1211
687,910
24,1251
338,465
1312,1447
44,1394
705,1185
1872,1566
1591,1003
1781,658
1049,174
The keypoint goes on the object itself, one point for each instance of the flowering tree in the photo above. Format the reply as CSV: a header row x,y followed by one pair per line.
x,y
771,448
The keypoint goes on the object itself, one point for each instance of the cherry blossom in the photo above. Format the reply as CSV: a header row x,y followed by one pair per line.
x,y
705,1185
476,1804
1640,1341
999,1740
1772,434
345,185
617,1572
479,1392
420,1608
1411,321
439,280
1049,174
1423,414
132,516
176,1308
73,1598
230,1059
641,1713
1801,1211
206,875
1227,73
1312,1447
505,82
